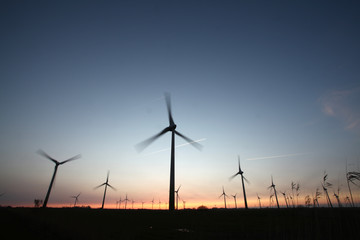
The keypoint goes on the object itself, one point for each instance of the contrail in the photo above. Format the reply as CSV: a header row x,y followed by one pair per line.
x,y
277,156
177,146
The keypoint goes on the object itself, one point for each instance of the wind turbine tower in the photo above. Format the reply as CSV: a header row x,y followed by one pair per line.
x,y
171,128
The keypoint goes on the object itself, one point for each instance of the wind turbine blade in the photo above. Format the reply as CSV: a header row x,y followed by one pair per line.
x,y
233,176
99,186
192,142
112,187
246,180
107,177
44,154
168,105
239,163
141,146
178,188
71,159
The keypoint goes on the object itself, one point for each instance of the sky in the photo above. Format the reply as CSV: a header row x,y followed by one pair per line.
x,y
275,82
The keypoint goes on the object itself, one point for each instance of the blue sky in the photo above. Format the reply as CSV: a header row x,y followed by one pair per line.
x,y
255,78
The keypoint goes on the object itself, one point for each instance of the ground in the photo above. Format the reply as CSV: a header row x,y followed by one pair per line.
x,y
84,223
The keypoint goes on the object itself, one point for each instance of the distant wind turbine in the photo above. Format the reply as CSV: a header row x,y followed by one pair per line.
x,y
120,201
76,198
126,200
259,199
184,203
106,185
225,196
171,128
241,173
272,186
132,204
177,197
234,196
57,164
152,204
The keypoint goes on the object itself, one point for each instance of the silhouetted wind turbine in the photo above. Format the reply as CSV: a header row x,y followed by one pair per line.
x,y
171,128
225,196
106,185
184,203
259,200
41,152
177,197
120,201
273,187
234,196
76,198
132,204
241,173
126,200
152,204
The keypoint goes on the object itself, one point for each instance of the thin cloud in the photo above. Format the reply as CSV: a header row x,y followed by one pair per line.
x,y
177,146
344,106
277,156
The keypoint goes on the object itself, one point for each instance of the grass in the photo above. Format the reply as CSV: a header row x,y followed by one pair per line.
x,y
81,223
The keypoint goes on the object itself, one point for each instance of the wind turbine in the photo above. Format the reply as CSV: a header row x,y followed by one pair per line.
x,y
152,204
184,203
132,203
241,173
57,164
225,196
171,128
234,196
106,185
259,199
76,198
273,187
126,200
177,197
120,201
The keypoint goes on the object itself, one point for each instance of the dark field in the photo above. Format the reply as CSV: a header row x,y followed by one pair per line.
x,y
78,223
